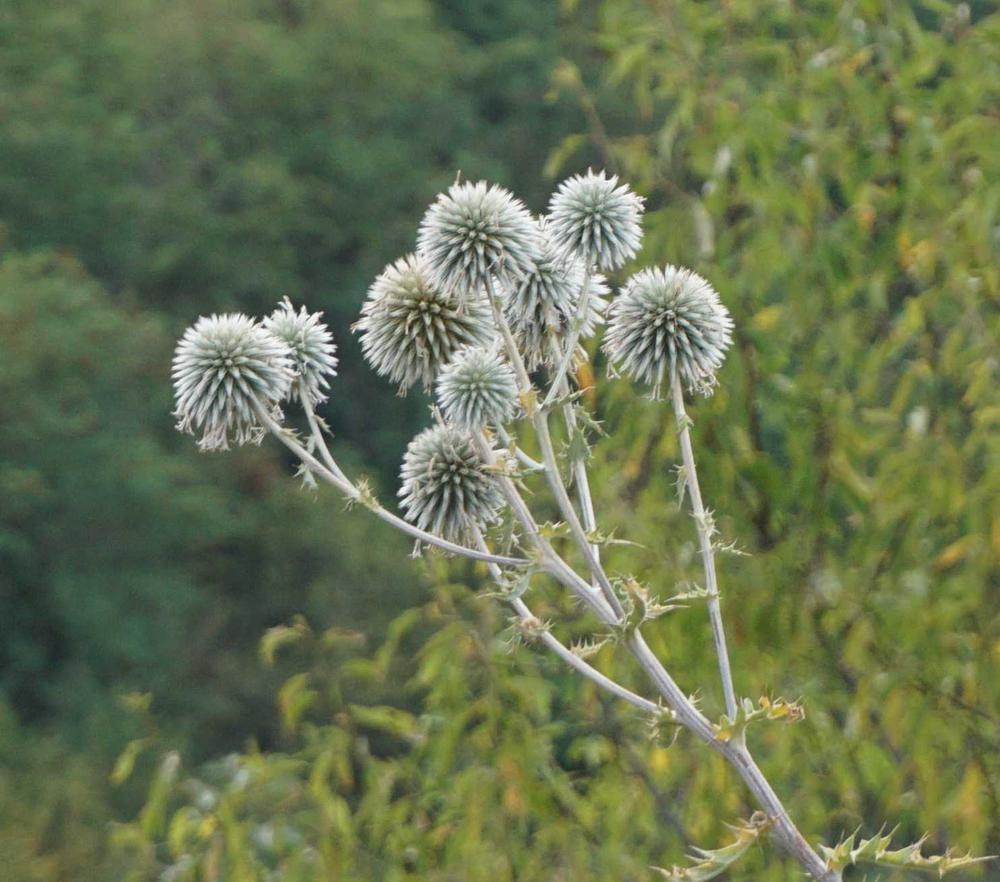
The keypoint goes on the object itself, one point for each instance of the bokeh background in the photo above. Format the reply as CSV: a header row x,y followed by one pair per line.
x,y
208,673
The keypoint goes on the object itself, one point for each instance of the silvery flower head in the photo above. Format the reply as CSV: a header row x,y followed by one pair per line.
x,y
224,369
446,489
669,319
541,307
475,232
477,389
312,346
410,328
595,217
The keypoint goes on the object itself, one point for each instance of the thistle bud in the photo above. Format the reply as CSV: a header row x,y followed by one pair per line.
x,y
446,488
224,369
312,347
410,328
475,232
669,319
593,217
477,389
542,305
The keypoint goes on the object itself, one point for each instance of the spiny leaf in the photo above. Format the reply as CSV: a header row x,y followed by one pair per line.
x,y
709,863
876,851
597,537
777,709
639,606
588,648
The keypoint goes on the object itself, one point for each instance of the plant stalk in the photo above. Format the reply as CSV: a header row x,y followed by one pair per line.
x,y
705,541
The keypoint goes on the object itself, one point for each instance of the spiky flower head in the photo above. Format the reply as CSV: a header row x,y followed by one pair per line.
x,y
595,217
542,305
446,489
475,232
312,347
410,328
669,319
477,389
226,367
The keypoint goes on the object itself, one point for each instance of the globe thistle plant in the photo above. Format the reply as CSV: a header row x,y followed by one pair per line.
x,y
593,216
541,305
410,328
434,316
477,389
312,347
226,367
669,319
446,488
475,232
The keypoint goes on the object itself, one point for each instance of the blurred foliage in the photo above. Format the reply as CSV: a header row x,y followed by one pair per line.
x,y
215,155
124,568
832,168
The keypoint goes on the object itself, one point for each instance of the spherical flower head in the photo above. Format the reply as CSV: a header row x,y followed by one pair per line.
x,y
541,307
475,232
225,369
595,217
410,328
669,319
446,489
312,347
477,389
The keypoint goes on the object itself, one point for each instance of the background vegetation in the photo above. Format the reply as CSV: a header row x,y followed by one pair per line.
x,y
833,169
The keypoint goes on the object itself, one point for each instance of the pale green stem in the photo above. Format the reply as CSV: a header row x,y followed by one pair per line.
x,y
575,329
539,420
580,477
317,434
522,457
706,541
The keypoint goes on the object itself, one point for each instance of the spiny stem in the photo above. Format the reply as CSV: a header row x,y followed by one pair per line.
x,y
321,445
522,457
581,479
539,420
705,540
575,329
554,564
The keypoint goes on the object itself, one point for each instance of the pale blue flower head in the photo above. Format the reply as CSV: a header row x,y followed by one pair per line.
x,y
226,370
312,347
597,219
668,319
446,487
473,233
477,389
410,328
541,306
